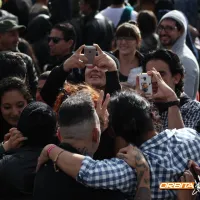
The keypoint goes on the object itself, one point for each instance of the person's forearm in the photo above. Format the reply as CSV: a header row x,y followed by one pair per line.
x,y
143,189
68,162
112,82
174,115
54,82
174,118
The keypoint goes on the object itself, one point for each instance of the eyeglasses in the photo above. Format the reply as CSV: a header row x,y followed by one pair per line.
x,y
167,29
125,38
55,40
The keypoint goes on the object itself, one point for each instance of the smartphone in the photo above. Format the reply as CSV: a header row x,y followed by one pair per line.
x,y
145,83
90,53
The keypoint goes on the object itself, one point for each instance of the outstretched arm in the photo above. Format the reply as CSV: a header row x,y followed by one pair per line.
x,y
112,174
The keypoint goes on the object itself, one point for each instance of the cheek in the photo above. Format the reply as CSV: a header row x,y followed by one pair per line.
x,y
103,77
5,112
117,43
87,72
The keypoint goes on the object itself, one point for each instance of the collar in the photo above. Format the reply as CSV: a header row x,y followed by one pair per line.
x,y
69,148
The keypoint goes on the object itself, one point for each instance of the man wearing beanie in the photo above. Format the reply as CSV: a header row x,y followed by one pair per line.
x,y
35,129
172,30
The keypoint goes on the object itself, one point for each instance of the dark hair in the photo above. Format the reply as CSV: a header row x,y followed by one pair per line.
x,y
128,30
14,83
75,109
174,63
26,48
95,5
130,116
68,31
37,122
164,5
147,22
12,65
117,2
44,75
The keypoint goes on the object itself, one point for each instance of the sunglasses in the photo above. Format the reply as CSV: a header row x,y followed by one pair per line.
x,y
55,40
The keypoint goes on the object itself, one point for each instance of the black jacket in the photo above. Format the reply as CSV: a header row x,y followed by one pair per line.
x,y
53,185
54,62
31,73
97,29
17,173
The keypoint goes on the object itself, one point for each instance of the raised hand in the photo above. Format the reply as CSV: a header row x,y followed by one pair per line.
x,y
102,111
104,61
77,60
14,140
164,91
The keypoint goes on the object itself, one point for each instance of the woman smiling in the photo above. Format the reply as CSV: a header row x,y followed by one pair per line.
x,y
14,96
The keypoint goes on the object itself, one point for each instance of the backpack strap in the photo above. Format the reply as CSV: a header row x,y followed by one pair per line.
x,y
126,15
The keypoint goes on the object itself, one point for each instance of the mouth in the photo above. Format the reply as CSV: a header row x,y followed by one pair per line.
x,y
94,76
164,37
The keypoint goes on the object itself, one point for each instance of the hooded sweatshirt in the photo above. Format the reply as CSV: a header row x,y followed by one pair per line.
x,y
191,80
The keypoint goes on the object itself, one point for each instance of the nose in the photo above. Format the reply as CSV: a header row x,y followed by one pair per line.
x,y
51,43
16,111
123,41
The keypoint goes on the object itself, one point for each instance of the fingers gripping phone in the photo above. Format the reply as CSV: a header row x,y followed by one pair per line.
x,y
90,53
145,83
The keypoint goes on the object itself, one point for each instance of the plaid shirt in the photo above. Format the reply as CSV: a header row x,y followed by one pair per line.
x,y
167,154
190,112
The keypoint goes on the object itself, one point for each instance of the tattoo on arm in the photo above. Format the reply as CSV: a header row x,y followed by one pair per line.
x,y
143,194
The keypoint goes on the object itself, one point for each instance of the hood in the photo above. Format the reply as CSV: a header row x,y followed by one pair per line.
x,y
181,19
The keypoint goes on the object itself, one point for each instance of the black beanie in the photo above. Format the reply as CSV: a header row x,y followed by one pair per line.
x,y
38,123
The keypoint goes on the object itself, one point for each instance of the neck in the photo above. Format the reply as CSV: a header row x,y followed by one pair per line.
x,y
117,6
129,58
150,134
63,55
127,61
80,145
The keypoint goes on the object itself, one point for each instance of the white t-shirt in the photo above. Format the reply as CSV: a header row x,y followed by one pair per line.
x,y
114,14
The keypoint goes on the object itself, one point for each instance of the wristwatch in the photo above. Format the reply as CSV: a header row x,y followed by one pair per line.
x,y
173,103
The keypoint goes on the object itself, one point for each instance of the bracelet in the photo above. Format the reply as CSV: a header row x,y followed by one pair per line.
x,y
55,161
50,148
173,103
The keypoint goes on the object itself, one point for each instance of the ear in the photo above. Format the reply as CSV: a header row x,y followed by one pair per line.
x,y
70,43
58,134
95,135
176,78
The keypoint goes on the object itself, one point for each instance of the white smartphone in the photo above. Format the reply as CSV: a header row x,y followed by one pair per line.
x,y
90,53
145,83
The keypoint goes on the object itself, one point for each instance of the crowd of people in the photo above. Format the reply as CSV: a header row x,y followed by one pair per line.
x,y
73,130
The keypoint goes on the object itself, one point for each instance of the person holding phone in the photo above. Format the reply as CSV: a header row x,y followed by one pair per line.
x,y
102,75
171,71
